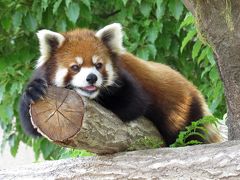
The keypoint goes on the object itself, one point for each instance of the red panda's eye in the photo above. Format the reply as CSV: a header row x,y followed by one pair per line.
x,y
98,65
75,68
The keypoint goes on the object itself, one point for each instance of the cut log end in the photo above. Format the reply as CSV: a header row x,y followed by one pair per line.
x,y
59,115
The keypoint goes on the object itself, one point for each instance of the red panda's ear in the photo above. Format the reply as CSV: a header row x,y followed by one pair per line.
x,y
112,37
48,42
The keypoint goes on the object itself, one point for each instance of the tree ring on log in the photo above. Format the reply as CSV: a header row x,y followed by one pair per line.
x,y
59,115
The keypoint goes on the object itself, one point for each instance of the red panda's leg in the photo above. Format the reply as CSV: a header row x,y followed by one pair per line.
x,y
161,122
35,89
126,98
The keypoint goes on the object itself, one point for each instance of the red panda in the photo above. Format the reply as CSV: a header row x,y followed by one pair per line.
x,y
96,65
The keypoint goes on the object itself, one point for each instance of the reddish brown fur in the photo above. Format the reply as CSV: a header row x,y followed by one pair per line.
x,y
167,87
83,43
80,43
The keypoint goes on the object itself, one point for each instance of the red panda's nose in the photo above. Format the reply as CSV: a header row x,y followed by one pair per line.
x,y
91,78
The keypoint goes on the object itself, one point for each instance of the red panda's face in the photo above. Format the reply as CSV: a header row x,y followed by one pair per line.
x,y
84,63
80,59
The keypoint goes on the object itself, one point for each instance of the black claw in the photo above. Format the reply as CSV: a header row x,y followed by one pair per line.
x,y
35,90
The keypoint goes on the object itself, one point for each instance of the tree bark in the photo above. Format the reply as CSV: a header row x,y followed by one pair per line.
x,y
218,21
214,161
89,126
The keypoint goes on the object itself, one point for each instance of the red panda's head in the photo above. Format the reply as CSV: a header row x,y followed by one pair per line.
x,y
81,58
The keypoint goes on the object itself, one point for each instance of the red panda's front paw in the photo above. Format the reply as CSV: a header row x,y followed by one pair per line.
x,y
35,90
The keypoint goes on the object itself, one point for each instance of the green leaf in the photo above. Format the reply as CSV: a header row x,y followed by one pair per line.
x,y
174,49
30,22
44,4
211,57
6,111
2,90
196,48
188,38
17,19
165,41
153,33
132,47
215,104
74,153
61,25
193,142
194,133
56,6
16,88
152,50
14,144
36,148
206,70
83,153
196,128
2,64
189,19
38,16
135,35
67,2
6,24
218,90
72,12
87,3
124,2
160,10
139,1
176,8
203,55
143,53
213,74
145,9
46,148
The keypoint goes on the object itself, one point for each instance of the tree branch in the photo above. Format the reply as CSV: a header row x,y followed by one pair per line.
x,y
70,120
214,161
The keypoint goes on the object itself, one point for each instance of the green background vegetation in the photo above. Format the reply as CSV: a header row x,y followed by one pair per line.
x,y
160,30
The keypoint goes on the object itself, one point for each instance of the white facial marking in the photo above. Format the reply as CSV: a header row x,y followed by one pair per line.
x,y
79,81
111,74
45,49
60,76
95,59
79,60
83,93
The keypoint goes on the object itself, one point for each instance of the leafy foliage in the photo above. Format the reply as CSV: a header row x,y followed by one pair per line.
x,y
159,30
196,129
203,57
74,153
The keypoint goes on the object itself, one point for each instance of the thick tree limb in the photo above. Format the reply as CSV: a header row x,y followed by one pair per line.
x,y
69,120
214,161
219,23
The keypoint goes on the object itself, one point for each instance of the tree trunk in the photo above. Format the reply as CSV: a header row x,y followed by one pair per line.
x,y
219,23
214,161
